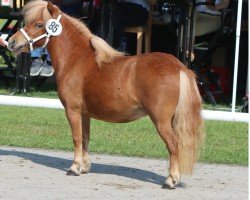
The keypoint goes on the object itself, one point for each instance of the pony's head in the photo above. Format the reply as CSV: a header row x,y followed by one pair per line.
x,y
36,13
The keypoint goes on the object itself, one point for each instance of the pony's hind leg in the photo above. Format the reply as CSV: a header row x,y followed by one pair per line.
x,y
167,134
75,120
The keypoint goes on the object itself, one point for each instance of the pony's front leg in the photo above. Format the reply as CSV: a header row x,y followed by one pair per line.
x,y
85,143
75,120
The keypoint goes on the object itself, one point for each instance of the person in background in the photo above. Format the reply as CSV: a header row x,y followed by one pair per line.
x,y
38,66
128,13
207,19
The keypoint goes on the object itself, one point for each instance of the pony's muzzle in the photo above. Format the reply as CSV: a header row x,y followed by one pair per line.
x,y
12,43
15,46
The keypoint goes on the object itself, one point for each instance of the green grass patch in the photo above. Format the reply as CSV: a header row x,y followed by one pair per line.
x,y
226,142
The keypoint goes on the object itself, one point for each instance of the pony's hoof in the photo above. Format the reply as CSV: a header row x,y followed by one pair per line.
x,y
167,186
72,173
84,171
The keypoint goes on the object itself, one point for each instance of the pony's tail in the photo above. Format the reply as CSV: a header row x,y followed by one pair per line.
x,y
104,52
188,123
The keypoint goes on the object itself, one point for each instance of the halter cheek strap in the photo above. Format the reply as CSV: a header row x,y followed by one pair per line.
x,y
32,41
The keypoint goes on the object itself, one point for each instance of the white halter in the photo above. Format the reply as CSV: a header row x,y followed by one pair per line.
x,y
32,41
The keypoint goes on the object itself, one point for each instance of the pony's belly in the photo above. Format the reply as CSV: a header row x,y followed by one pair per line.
x,y
124,115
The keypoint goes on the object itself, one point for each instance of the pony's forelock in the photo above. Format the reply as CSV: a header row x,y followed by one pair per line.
x,y
34,10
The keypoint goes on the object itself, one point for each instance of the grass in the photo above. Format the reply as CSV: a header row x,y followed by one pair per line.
x,y
226,142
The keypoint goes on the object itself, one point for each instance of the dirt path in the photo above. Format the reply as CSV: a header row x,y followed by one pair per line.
x,y
40,174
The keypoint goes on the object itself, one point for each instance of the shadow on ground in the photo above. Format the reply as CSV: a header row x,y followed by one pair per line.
x,y
63,165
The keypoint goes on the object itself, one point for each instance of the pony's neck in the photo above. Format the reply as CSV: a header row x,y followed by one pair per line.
x,y
71,45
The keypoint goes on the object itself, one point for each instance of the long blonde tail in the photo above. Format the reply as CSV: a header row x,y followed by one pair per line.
x,y
187,122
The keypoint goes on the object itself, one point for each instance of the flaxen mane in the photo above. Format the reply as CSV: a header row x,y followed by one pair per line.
x,y
104,52
37,9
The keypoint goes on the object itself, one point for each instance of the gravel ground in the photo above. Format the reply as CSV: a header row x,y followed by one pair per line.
x,y
41,174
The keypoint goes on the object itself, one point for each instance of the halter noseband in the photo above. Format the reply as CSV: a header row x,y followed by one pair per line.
x,y
32,41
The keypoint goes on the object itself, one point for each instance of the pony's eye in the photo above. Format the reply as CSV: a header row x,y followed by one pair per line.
x,y
39,25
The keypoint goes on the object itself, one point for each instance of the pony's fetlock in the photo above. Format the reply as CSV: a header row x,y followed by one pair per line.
x,y
175,177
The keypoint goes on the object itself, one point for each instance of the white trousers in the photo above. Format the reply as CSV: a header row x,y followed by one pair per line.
x,y
205,23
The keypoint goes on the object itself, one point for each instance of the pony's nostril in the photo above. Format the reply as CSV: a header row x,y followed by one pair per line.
x,y
12,42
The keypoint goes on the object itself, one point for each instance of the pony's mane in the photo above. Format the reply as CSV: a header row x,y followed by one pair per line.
x,y
104,52
37,9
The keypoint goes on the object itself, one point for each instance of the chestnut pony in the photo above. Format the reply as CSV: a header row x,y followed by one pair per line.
x,y
96,81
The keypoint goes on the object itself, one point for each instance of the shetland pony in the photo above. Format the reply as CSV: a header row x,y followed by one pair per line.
x,y
96,81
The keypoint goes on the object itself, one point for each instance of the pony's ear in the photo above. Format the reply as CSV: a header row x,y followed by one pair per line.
x,y
50,7
53,10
